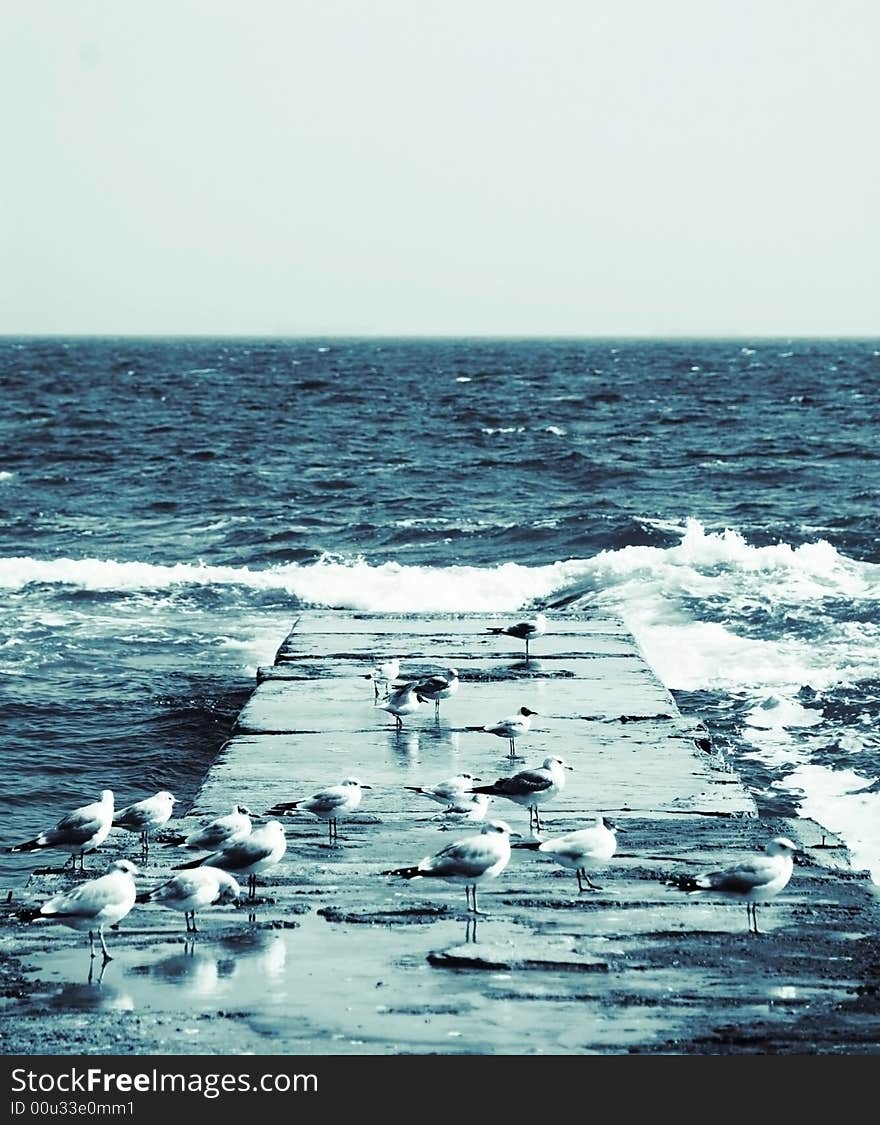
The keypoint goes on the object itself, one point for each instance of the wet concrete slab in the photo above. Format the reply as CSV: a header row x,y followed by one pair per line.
x,y
335,957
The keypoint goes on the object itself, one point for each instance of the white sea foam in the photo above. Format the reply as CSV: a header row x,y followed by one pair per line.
x,y
4,475
837,800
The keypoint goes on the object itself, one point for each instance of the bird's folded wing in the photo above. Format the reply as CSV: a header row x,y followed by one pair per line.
x,y
132,817
744,877
79,824
528,781
461,859
325,801
241,855
84,901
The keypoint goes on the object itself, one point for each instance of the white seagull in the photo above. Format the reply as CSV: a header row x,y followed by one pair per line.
x,y
577,850
228,829
80,831
446,792
469,861
383,674
96,903
262,849
523,630
752,881
328,804
530,787
511,728
193,890
438,687
143,816
404,701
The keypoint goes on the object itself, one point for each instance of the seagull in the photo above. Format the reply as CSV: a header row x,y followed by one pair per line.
x,y
438,687
467,861
144,816
224,830
577,849
95,904
81,831
470,807
753,881
523,630
404,701
446,792
511,728
530,787
262,849
328,804
192,891
383,674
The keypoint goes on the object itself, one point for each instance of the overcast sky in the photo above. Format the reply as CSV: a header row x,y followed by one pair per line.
x,y
583,167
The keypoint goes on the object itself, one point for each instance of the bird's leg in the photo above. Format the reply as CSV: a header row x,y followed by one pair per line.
x,y
91,945
252,886
513,748
593,886
398,722
195,928
107,956
755,917
186,919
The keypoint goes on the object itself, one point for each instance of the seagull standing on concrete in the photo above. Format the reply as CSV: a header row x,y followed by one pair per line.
x,y
143,816
438,687
81,831
328,804
228,829
404,701
756,880
446,792
383,674
530,787
523,630
511,728
96,903
262,849
193,890
469,861
578,850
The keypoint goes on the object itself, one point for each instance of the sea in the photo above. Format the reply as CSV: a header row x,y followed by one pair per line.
x,y
168,507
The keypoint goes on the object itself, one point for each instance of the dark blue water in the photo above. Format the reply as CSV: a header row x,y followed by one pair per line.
x,y
166,506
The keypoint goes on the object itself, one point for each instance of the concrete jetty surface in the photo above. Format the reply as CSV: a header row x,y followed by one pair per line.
x,y
336,958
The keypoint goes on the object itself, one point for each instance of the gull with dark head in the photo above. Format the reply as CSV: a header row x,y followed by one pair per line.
x,y
752,881
530,788
511,728
469,861
80,831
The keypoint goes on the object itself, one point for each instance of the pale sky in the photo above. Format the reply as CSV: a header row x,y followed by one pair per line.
x,y
556,167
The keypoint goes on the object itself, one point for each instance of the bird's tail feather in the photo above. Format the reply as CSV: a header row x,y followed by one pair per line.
x,y
188,864
404,872
281,807
29,846
494,629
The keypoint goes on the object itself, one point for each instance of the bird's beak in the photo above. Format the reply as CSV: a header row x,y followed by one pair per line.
x,y
569,767
366,787
516,835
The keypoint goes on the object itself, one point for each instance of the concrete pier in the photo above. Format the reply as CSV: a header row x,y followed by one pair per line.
x,y
336,958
